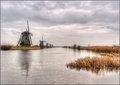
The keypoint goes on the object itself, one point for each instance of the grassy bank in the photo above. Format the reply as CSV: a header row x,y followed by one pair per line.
x,y
103,49
94,63
9,47
111,51
24,48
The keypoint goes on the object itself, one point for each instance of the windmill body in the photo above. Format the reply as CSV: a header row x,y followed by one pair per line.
x,y
25,39
42,44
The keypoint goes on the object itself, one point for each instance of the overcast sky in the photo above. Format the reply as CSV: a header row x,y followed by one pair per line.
x,y
61,22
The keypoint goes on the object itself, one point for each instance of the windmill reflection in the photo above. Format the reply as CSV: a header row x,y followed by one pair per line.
x,y
41,58
25,62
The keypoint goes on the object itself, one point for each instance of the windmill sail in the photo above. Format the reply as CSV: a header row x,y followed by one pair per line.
x,y
28,26
19,41
30,40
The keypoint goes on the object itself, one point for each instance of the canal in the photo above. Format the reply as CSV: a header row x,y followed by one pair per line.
x,y
48,66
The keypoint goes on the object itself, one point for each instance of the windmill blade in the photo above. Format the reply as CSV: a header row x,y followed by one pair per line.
x,y
31,34
30,40
42,36
19,40
28,26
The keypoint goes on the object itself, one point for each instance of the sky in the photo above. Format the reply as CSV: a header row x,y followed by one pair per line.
x,y
61,22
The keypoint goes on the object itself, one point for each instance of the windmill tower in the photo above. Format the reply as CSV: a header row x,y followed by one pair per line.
x,y
25,38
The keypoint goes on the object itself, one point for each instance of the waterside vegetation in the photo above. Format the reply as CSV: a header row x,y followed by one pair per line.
x,y
94,63
10,47
5,47
111,51
109,59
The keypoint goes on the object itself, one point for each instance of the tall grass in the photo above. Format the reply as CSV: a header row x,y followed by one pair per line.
x,y
25,48
5,47
103,49
94,63
111,51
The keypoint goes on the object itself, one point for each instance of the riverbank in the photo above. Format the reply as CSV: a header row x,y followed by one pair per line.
x,y
24,48
109,51
102,49
9,47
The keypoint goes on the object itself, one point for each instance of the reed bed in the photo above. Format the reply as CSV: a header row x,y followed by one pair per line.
x,y
94,63
110,51
103,49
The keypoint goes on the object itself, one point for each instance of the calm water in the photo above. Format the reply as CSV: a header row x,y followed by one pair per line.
x,y
47,66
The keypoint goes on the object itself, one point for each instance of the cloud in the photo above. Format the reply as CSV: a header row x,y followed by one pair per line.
x,y
62,20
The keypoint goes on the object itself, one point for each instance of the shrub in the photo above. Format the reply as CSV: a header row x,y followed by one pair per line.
x,y
5,47
78,47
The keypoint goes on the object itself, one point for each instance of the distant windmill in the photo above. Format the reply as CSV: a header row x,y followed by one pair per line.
x,y
25,38
42,43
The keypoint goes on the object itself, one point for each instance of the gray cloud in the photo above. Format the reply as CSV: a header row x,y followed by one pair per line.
x,y
62,20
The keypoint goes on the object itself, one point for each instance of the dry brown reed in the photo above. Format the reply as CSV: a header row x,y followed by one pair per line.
x,y
94,63
103,49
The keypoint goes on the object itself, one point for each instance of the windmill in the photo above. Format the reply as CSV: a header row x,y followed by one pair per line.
x,y
42,43
25,38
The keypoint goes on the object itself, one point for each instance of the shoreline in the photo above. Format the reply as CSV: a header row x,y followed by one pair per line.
x,y
109,51
25,48
19,48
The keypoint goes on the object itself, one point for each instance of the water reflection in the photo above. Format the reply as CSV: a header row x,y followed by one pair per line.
x,y
25,62
41,54
74,51
96,70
